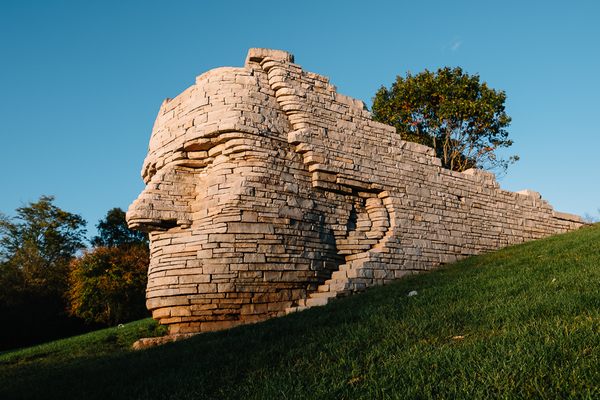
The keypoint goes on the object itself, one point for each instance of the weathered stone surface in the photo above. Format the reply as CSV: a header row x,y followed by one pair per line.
x,y
267,191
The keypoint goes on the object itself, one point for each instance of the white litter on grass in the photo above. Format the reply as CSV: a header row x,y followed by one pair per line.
x,y
412,293
120,326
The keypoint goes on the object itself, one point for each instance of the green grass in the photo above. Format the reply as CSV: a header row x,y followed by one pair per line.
x,y
529,318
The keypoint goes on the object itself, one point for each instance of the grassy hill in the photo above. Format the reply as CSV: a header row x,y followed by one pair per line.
x,y
523,322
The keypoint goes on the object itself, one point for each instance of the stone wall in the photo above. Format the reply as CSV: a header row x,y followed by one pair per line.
x,y
268,192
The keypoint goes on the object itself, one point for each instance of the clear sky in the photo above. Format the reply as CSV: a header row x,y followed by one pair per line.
x,y
81,81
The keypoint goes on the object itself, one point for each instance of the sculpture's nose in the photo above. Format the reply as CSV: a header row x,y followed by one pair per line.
x,y
165,202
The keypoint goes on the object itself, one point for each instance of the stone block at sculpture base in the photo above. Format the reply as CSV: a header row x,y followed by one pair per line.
x,y
269,192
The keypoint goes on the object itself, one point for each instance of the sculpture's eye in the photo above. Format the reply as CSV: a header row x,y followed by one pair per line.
x,y
189,159
194,160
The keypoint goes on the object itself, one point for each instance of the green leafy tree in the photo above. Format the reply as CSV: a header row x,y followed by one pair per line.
x,y
461,118
113,231
39,243
36,247
108,284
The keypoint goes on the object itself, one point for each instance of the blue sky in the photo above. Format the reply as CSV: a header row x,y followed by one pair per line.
x,y
81,82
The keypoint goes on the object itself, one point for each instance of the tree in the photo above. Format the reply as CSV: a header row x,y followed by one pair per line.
x,y
39,243
461,118
36,247
108,284
113,231
591,219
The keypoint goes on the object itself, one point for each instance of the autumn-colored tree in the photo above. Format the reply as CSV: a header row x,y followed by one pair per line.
x,y
461,118
108,284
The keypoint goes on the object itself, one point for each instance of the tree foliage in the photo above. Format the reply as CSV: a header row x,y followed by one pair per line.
x,y
39,243
461,118
113,231
108,284
36,247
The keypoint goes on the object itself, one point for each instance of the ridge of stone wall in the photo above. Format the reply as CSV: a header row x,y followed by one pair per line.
x,y
268,192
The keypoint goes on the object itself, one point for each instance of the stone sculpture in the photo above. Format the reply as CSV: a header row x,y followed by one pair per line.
x,y
268,192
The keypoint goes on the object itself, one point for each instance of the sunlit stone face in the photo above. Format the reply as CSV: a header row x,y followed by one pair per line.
x,y
237,232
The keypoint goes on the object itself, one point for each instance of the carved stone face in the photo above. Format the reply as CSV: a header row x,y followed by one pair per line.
x,y
237,232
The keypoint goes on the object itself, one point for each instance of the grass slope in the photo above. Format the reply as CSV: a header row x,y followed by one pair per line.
x,y
523,322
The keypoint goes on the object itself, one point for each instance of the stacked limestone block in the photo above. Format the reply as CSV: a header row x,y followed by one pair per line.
x,y
267,191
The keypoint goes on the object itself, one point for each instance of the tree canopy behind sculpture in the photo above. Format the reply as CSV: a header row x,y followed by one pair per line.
x,y
461,118
107,284
114,232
